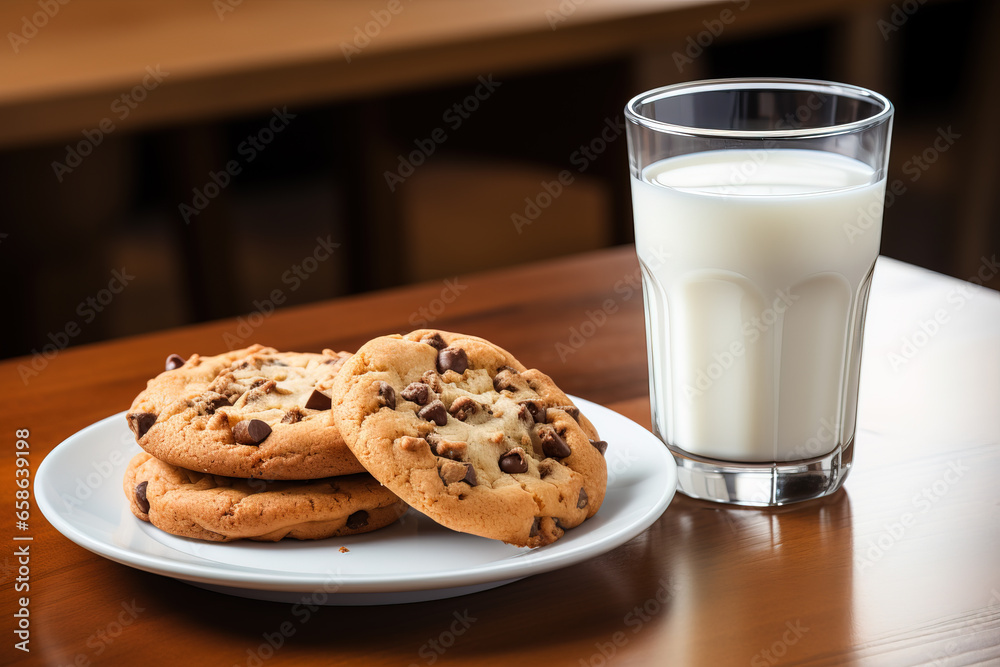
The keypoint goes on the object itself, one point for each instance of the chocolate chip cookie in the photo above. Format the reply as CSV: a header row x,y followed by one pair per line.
x,y
464,433
250,413
222,509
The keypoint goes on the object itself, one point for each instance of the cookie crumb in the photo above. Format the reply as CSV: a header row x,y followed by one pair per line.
x,y
344,550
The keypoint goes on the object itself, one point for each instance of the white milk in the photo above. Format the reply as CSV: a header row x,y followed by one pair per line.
x,y
756,268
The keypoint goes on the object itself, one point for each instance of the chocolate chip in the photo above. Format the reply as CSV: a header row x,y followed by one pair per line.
x,y
213,401
260,388
293,416
174,361
505,380
219,401
432,380
470,475
318,401
513,462
434,412
434,340
386,395
454,471
524,416
463,407
600,445
582,500
571,410
552,443
452,359
537,410
418,392
140,422
534,526
251,432
357,520
140,496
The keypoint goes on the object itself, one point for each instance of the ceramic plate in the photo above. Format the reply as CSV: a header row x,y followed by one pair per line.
x,y
78,487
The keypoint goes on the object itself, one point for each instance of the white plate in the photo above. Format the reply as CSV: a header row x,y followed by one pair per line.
x,y
78,488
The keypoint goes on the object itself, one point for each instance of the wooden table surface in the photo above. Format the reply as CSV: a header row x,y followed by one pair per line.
x,y
65,71
902,567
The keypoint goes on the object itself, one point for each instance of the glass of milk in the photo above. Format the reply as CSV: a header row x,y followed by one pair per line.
x,y
758,211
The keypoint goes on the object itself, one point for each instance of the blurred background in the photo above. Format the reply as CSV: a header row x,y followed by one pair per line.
x,y
163,164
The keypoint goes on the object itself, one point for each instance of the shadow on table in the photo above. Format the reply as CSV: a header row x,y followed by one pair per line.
x,y
701,580
591,599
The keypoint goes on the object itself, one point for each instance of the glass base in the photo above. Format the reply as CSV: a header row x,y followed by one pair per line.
x,y
762,484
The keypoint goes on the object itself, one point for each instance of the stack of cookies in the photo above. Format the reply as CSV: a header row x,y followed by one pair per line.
x,y
260,444
242,446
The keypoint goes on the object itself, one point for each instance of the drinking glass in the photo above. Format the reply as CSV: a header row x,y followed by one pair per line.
x,y
757,206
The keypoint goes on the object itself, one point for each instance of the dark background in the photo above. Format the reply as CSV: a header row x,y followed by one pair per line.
x,y
119,209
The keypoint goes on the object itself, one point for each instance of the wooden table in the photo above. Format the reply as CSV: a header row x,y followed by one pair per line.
x,y
901,567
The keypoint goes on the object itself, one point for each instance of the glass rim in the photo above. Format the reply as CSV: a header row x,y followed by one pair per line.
x,y
760,83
